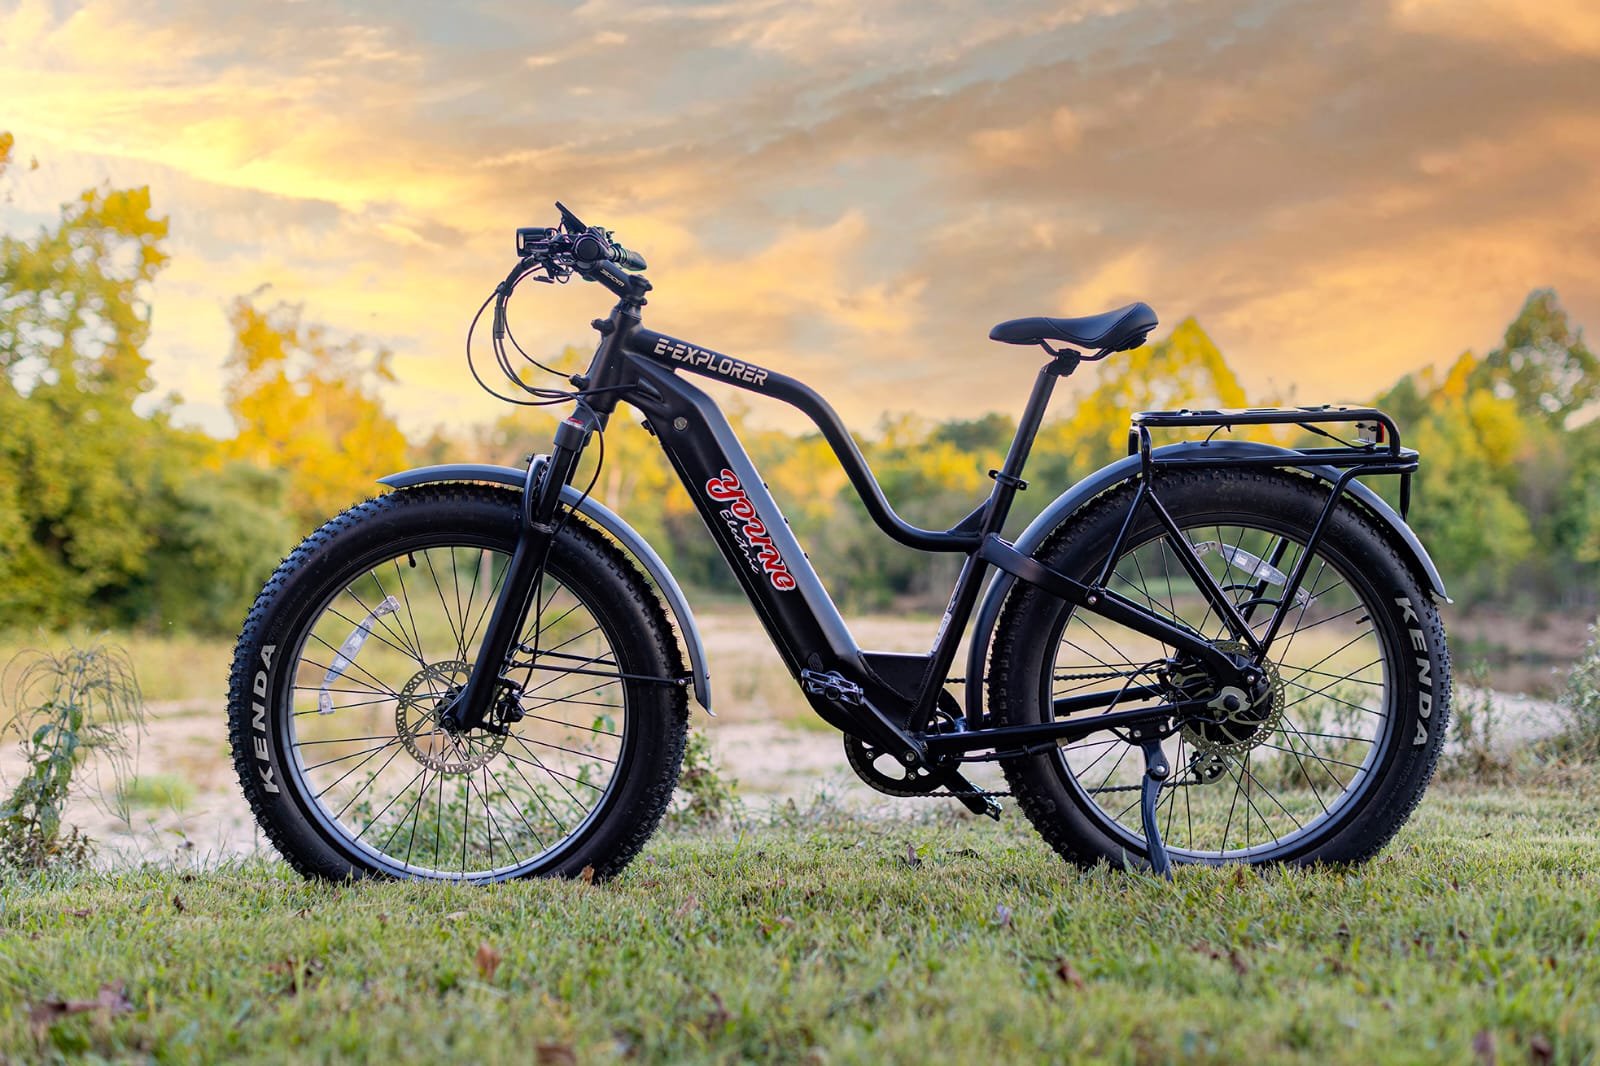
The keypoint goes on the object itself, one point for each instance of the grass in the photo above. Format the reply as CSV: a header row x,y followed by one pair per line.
x,y
832,939
169,667
162,791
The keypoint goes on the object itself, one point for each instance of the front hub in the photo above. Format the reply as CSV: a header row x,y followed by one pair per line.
x,y
426,731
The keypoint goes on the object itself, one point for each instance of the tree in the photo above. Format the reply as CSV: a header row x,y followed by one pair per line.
x,y
1543,364
76,464
107,517
1183,370
1474,527
74,309
306,403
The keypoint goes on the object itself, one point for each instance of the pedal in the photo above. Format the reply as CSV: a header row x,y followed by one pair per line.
x,y
1156,772
832,686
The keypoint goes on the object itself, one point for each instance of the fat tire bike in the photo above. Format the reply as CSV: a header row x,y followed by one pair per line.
x,y
1209,651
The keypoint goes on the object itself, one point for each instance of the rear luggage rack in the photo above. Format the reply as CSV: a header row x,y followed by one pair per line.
x,y
1372,448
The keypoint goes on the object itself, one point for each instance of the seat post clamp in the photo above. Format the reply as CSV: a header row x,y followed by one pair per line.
x,y
1063,361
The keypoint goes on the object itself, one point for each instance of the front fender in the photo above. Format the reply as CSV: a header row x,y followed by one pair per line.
x,y
608,520
1108,477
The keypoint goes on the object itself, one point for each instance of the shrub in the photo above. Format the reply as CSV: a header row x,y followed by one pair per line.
x,y
708,794
67,712
1580,737
1474,719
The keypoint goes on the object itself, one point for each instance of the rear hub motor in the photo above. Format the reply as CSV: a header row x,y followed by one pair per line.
x,y
1236,720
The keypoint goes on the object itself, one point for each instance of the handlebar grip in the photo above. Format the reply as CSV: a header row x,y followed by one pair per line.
x,y
626,259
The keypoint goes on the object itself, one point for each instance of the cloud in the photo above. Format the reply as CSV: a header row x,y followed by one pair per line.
x,y
1569,26
1339,191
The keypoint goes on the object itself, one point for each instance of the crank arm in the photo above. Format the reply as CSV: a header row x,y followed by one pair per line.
x,y
971,796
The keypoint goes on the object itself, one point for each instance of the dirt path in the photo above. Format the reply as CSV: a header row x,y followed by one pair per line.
x,y
773,763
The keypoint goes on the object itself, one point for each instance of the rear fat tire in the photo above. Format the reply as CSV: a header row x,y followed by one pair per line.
x,y
616,593
1032,621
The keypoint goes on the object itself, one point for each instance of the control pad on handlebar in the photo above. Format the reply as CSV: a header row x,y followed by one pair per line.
x,y
534,240
572,244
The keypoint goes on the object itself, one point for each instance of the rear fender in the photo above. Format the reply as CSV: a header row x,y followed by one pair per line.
x,y
608,520
1108,477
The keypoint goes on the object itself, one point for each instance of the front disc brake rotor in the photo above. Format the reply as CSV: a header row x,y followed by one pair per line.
x,y
417,722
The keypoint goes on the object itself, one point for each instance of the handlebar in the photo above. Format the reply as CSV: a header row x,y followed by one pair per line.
x,y
573,246
554,254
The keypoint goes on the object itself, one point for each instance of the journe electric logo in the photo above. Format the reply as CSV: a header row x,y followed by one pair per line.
x,y
749,530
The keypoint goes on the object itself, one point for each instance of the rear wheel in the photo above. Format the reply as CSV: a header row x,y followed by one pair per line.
x,y
365,632
1325,769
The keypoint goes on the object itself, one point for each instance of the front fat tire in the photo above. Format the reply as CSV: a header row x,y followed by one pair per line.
x,y
1411,631
616,593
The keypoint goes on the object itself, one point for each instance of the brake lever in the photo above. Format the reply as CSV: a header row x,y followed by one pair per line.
x,y
572,222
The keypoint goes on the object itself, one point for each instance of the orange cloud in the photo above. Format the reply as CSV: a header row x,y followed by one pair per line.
x,y
852,192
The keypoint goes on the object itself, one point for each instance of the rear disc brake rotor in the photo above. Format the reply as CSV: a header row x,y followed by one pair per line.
x,y
1250,724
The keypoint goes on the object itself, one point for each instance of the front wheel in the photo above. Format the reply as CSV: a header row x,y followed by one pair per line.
x,y
368,629
1324,769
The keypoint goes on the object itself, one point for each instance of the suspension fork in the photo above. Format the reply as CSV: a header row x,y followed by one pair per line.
x,y
536,528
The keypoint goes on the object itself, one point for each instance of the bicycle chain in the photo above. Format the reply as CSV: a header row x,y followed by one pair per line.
x,y
1008,792
1103,675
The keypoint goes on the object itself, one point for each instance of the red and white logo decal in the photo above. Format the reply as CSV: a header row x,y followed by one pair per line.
x,y
750,531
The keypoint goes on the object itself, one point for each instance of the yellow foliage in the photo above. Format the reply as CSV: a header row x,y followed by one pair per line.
x,y
1498,425
807,478
306,405
1184,370
1459,378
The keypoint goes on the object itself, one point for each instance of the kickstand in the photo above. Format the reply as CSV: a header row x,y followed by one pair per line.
x,y
1156,772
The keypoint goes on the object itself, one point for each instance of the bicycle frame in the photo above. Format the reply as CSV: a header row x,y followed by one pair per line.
x,y
886,699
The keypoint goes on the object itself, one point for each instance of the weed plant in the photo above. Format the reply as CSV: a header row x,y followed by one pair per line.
x,y
76,711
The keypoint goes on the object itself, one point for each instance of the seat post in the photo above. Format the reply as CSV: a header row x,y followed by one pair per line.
x,y
1008,479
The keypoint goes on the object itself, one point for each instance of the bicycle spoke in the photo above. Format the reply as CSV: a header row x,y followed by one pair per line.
x,y
1243,794
448,804
455,629
373,619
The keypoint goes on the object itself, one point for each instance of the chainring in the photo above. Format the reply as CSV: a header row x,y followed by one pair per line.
x,y
905,780
912,781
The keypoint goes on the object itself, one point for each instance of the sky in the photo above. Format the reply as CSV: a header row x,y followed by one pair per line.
x,y
851,192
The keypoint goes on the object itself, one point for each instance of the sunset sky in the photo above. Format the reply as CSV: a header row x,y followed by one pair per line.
x,y
848,191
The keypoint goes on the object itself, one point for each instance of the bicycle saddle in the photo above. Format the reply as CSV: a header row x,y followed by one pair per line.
x,y
1119,331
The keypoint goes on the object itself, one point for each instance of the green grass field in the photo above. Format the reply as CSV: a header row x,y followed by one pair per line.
x,y
826,938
